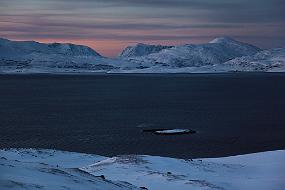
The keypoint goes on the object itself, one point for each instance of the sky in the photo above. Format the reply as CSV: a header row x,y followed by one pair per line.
x,y
108,26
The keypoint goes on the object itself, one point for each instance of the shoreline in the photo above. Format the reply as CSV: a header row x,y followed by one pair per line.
x,y
135,74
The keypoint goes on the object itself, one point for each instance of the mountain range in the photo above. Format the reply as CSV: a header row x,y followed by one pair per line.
x,y
222,54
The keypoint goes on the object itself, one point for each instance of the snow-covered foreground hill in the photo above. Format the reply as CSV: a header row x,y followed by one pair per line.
x,y
50,169
219,55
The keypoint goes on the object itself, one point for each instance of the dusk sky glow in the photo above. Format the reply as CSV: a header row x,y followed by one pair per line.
x,y
110,25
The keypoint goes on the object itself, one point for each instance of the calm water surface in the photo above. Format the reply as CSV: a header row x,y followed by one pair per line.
x,y
233,113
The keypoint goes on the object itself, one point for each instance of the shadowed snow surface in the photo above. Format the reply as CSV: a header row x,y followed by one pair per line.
x,y
50,169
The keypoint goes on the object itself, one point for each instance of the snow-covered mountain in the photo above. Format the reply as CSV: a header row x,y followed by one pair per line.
x,y
219,55
272,60
141,50
12,49
217,51
31,56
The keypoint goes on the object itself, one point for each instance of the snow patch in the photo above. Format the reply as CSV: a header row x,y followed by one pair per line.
x,y
174,131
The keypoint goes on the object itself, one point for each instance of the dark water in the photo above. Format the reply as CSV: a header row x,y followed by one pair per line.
x,y
233,113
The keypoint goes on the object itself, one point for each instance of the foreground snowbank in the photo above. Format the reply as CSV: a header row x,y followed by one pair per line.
x,y
52,170
49,169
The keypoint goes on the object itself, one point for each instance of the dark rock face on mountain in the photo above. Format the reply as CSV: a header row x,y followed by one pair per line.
x,y
142,50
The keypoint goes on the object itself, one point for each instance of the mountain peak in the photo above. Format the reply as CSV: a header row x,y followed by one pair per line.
x,y
222,40
142,44
73,49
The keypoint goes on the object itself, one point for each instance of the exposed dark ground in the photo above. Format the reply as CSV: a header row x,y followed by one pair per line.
x,y
233,113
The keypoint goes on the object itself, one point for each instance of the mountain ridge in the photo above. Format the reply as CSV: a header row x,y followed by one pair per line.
x,y
217,51
24,48
222,54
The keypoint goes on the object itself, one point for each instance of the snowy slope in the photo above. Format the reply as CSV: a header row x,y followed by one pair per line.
x,y
253,171
59,64
272,60
141,50
49,169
